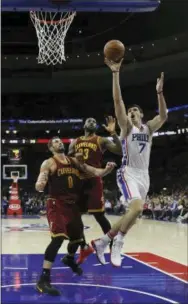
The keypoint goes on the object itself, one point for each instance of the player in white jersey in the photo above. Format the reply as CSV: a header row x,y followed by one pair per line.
x,y
133,177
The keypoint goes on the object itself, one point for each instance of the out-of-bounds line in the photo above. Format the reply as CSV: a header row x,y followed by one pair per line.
x,y
158,269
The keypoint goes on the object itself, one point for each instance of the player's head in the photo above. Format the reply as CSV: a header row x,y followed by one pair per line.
x,y
90,125
55,145
135,113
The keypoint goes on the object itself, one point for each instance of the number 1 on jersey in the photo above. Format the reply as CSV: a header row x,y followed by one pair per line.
x,y
142,145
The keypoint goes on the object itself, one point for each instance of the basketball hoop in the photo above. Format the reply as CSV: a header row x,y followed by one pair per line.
x,y
51,30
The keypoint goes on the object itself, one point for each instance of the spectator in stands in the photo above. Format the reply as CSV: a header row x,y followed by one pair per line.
x,y
108,206
120,206
157,207
4,205
183,216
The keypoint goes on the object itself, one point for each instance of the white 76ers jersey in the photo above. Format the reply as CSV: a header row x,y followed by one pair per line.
x,y
136,148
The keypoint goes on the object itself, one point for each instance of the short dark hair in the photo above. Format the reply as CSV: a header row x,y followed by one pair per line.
x,y
135,106
50,142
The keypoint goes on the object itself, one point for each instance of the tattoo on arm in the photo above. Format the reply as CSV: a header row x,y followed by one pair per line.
x,y
44,172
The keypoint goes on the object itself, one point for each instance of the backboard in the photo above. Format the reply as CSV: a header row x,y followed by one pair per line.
x,y
14,170
81,5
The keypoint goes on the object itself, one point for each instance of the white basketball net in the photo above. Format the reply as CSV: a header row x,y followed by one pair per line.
x,y
51,33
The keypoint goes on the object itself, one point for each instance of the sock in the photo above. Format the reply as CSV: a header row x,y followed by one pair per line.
x,y
120,236
107,238
46,272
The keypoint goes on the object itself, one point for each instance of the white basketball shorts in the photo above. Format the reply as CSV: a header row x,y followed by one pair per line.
x,y
133,183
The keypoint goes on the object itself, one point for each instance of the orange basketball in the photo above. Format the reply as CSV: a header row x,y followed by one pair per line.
x,y
114,50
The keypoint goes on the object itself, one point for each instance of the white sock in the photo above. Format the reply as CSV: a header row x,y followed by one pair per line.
x,y
120,236
106,239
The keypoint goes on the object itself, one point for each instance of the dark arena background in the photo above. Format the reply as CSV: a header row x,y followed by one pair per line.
x,y
40,101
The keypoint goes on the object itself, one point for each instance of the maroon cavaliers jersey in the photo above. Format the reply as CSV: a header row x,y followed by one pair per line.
x,y
65,182
91,150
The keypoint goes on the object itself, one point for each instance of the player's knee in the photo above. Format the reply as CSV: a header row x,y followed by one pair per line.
x,y
99,216
57,242
137,206
52,249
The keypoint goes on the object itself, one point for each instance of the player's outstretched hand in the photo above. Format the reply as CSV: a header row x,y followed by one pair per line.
x,y
110,167
114,66
160,83
110,125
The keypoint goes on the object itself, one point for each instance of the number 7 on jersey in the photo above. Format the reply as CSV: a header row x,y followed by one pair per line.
x,y
142,145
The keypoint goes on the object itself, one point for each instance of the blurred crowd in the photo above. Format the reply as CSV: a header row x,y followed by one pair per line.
x,y
165,207
31,204
158,207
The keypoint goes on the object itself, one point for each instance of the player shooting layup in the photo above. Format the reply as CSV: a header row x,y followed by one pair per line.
x,y
133,177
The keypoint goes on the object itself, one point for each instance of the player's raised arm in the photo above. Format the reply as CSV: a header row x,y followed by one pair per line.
x,y
106,144
43,175
119,105
71,150
160,119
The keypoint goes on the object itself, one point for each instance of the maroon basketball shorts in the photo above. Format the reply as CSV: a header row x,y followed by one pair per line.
x,y
91,199
64,219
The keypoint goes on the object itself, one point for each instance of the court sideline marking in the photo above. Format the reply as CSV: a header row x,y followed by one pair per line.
x,y
151,266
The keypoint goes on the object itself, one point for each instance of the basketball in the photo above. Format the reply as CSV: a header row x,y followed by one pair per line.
x,y
114,50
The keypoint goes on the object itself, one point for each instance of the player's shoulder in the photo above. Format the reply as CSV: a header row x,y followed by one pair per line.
x,y
147,128
51,161
48,162
74,141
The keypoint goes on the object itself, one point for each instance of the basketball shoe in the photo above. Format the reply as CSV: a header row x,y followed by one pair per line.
x,y
84,253
44,286
100,246
69,261
115,254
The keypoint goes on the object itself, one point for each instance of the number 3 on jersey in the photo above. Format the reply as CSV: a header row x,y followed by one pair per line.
x,y
142,145
85,153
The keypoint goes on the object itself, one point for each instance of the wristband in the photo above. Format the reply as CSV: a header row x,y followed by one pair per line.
x,y
159,93
115,72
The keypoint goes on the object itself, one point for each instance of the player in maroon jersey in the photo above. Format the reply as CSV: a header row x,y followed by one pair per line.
x,y
63,175
92,147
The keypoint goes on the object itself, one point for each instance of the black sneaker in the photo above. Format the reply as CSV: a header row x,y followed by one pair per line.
x,y
69,261
44,286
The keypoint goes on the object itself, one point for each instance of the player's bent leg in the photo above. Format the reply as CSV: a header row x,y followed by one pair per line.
x,y
127,222
69,260
44,283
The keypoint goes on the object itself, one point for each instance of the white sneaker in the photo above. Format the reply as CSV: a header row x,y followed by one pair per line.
x,y
116,252
100,246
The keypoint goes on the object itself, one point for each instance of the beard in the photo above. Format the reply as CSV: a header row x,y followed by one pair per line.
x,y
90,129
61,150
